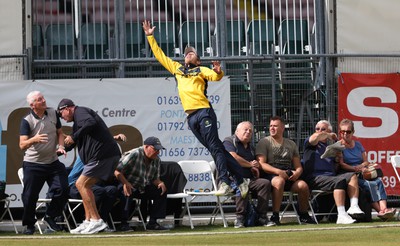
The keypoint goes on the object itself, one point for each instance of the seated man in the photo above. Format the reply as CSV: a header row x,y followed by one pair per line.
x,y
105,195
321,174
280,160
239,146
139,175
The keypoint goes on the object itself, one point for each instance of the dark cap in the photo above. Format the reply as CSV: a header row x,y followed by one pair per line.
x,y
65,103
190,49
155,142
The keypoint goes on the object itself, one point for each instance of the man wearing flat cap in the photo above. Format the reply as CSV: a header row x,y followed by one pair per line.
x,y
138,172
100,153
192,81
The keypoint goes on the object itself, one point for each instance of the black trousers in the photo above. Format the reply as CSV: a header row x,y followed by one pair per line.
x,y
157,209
35,175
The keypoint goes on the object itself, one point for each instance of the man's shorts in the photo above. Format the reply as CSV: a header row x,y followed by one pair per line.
x,y
330,183
101,169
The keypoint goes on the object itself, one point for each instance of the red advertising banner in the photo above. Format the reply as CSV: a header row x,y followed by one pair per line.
x,y
372,102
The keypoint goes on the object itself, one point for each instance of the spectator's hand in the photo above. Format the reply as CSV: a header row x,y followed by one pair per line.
x,y
283,174
333,136
148,30
68,140
128,188
217,67
295,176
162,187
255,163
255,171
61,151
41,138
121,137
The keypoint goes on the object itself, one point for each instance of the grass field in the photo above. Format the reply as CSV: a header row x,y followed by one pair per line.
x,y
373,233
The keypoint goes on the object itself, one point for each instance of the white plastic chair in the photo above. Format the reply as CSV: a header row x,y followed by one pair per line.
x,y
41,202
201,170
395,160
185,198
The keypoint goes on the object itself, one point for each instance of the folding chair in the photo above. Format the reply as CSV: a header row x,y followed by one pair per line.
x,y
395,160
199,172
313,198
185,198
224,199
72,206
41,202
7,201
291,200
172,175
137,209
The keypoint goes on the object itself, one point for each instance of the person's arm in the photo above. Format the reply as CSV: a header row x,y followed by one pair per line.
x,y
25,142
127,186
159,54
160,185
211,74
266,167
61,148
343,165
121,137
321,136
298,169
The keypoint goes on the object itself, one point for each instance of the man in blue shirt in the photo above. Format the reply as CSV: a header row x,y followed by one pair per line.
x,y
320,173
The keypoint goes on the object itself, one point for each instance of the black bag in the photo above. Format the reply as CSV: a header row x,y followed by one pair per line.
x,y
2,195
251,215
3,189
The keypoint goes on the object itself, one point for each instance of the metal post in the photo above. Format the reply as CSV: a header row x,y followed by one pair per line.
x,y
120,37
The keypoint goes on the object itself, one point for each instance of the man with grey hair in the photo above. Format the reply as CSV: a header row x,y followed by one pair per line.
x,y
321,173
42,140
240,147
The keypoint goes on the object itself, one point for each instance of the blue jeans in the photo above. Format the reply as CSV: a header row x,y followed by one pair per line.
x,y
375,188
203,124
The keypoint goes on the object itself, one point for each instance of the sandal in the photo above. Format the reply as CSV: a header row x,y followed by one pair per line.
x,y
387,214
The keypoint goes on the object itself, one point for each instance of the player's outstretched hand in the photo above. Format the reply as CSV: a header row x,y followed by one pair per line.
x,y
148,30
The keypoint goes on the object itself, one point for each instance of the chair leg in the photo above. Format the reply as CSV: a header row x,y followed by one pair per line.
x,y
7,210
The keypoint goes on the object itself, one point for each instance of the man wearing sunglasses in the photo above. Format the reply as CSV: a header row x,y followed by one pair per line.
x,y
321,173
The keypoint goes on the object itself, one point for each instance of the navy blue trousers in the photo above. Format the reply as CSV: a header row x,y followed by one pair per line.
x,y
35,175
158,209
203,124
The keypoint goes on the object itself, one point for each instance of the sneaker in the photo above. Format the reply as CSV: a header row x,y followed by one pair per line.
x,y
275,218
51,224
355,212
80,228
244,188
345,219
29,230
109,230
239,223
264,221
155,227
125,228
95,226
224,189
306,219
